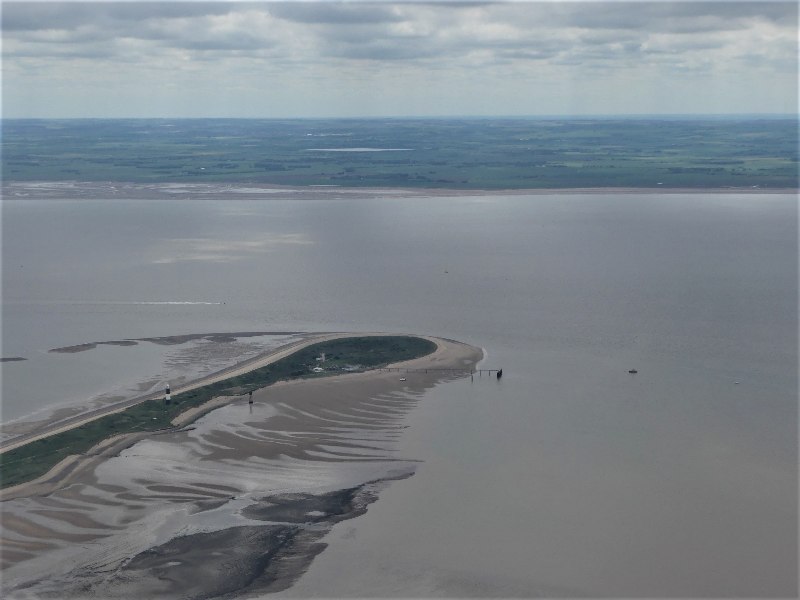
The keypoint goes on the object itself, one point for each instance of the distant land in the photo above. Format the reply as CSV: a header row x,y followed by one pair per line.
x,y
464,153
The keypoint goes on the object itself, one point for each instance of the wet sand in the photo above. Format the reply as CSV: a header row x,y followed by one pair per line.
x,y
237,502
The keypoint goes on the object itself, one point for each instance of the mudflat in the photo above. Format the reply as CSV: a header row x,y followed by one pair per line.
x,y
236,502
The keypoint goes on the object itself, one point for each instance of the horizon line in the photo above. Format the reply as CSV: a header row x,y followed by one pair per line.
x,y
400,117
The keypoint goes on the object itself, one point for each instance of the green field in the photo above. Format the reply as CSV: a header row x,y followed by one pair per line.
x,y
430,153
36,458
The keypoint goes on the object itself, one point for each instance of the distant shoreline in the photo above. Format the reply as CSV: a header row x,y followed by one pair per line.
x,y
244,190
447,155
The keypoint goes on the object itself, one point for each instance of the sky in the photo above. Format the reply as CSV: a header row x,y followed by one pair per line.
x,y
356,59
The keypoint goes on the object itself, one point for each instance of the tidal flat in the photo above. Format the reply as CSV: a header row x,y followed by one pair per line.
x,y
236,503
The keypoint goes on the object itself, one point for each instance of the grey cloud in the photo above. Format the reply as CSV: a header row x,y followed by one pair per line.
x,y
609,47
198,34
383,51
87,52
540,31
361,43
353,34
675,17
227,43
653,16
603,37
334,13
779,12
503,50
25,16
98,26
19,16
528,54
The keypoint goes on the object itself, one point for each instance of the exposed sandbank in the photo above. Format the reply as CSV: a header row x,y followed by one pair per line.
x,y
172,340
268,480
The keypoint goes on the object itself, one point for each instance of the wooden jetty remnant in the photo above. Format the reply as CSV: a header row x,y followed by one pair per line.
x,y
411,370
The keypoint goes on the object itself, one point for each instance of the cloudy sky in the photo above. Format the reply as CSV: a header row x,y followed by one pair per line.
x,y
306,59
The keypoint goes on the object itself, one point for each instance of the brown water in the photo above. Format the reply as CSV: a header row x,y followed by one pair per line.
x,y
568,477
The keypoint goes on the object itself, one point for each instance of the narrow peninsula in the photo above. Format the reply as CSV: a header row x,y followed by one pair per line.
x,y
334,355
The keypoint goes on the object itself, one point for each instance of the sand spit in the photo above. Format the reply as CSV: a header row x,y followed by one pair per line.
x,y
74,417
91,346
237,503
190,358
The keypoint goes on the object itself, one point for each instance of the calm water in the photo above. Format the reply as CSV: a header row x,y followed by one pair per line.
x,y
568,477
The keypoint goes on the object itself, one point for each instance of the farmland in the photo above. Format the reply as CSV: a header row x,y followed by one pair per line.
x,y
503,153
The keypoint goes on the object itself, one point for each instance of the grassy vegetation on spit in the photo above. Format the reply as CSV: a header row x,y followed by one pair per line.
x,y
36,458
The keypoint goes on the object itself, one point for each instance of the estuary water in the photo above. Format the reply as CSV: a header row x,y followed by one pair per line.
x,y
569,476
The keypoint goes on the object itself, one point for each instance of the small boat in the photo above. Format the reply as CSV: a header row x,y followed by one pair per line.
x,y
633,371
402,379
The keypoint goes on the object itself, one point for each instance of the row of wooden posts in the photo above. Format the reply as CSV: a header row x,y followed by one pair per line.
x,y
480,372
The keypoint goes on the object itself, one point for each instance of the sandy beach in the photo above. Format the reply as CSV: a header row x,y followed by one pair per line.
x,y
236,501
